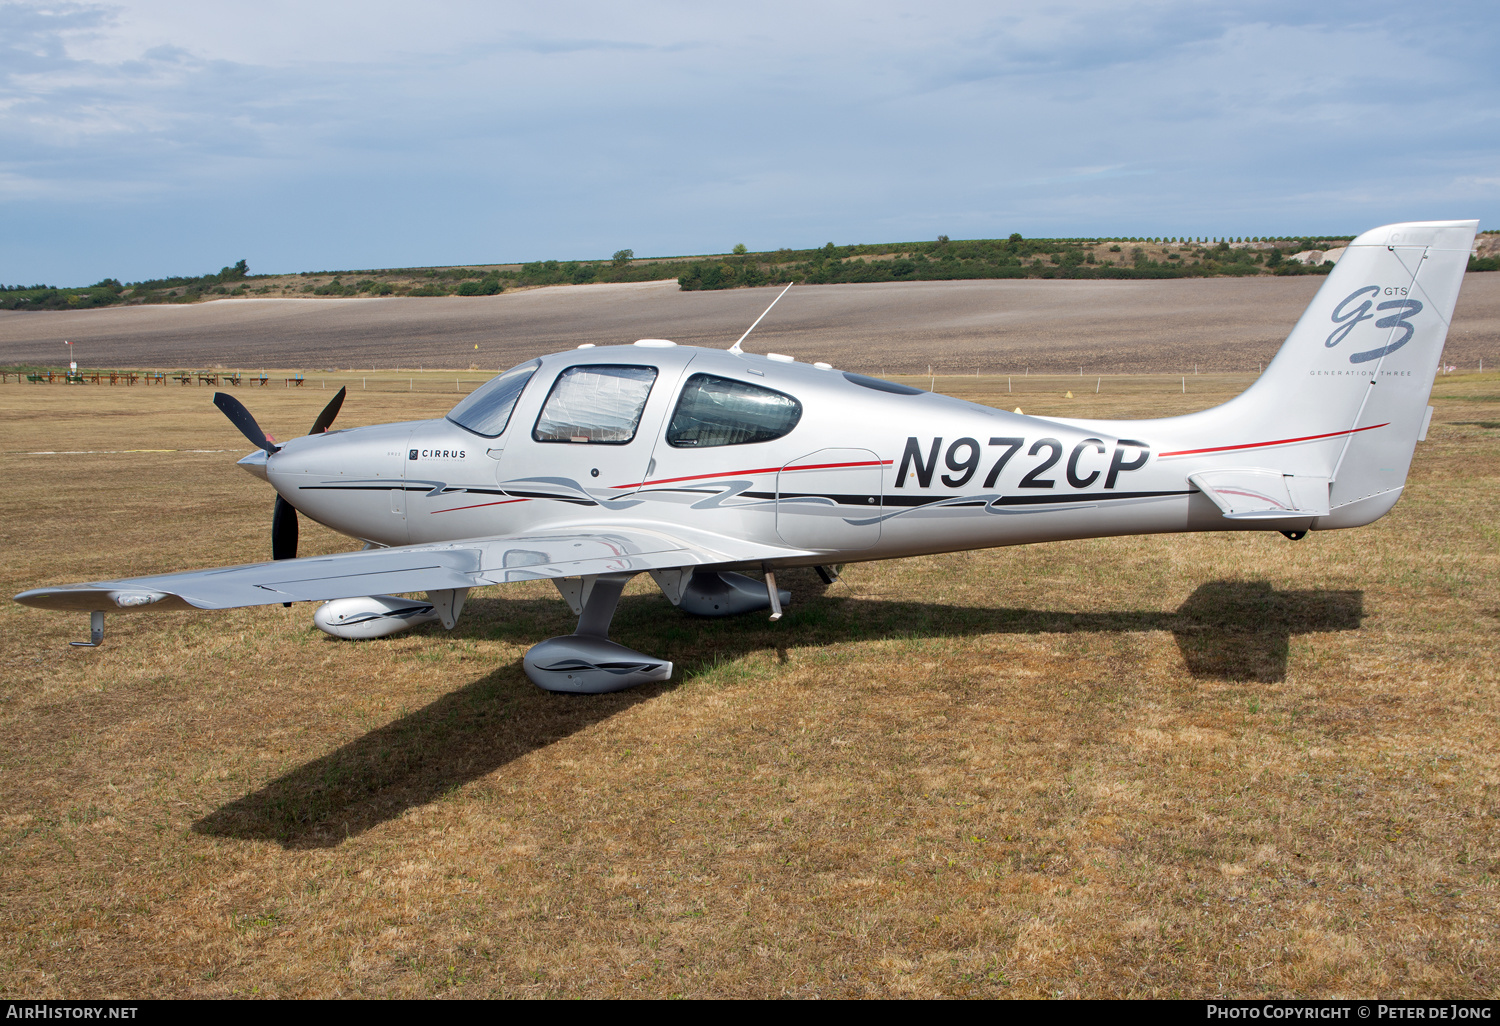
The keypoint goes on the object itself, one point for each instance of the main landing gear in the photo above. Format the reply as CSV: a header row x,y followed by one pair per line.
x,y
586,662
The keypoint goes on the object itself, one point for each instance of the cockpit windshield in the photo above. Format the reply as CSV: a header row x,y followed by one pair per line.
x,y
486,410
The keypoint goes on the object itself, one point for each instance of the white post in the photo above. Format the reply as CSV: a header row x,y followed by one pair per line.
x,y
1184,385
1097,384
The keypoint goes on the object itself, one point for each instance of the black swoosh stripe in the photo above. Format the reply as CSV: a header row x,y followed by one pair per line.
x,y
1005,500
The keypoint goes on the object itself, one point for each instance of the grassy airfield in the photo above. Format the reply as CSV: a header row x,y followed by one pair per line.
x,y
1176,766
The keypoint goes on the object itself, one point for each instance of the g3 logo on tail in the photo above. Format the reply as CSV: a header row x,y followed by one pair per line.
x,y
1348,317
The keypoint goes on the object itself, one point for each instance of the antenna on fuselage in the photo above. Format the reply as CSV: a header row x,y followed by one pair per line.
x,y
736,347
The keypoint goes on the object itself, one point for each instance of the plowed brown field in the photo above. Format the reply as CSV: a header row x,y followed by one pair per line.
x,y
959,327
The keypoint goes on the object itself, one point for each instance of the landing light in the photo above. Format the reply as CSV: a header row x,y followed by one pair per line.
x,y
655,343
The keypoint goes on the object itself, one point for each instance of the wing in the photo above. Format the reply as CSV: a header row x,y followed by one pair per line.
x,y
542,555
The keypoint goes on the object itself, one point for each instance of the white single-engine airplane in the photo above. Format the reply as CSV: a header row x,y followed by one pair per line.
x,y
589,467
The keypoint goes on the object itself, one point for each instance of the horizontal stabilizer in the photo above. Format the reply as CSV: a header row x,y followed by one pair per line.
x,y
1254,494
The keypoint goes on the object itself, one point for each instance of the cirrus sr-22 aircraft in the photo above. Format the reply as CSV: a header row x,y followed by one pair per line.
x,y
693,465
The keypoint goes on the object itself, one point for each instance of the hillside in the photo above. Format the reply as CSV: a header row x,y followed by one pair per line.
x,y
940,260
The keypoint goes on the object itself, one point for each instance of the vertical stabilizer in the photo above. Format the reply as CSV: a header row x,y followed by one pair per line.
x,y
1353,379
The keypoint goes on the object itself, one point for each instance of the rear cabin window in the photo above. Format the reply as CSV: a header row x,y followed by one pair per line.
x,y
720,411
486,410
598,403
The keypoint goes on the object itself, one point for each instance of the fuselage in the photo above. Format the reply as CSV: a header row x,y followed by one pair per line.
x,y
866,469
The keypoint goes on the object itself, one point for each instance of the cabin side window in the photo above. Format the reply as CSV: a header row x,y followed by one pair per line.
x,y
721,411
486,410
597,403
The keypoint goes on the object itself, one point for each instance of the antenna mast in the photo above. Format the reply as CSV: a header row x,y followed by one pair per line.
x,y
736,347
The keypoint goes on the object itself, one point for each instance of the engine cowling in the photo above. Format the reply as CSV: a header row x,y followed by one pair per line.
x,y
374,616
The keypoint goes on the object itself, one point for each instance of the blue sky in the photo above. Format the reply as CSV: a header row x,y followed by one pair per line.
x,y
158,138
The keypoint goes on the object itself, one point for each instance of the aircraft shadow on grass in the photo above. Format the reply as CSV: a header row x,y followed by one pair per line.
x,y
1226,630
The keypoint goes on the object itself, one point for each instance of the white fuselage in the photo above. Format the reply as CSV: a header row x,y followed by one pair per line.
x,y
865,474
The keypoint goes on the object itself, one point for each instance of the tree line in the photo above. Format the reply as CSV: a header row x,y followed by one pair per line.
x,y
943,259
110,291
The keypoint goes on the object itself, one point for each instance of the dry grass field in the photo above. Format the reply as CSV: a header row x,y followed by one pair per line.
x,y
1187,766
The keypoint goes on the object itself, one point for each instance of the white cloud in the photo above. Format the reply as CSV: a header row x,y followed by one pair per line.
x,y
317,135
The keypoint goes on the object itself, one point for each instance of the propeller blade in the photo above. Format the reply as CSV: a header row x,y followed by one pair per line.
x,y
240,418
325,419
284,530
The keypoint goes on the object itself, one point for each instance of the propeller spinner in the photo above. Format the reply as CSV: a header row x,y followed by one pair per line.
x,y
284,515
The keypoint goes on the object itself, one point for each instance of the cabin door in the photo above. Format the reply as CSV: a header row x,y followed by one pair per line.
x,y
830,499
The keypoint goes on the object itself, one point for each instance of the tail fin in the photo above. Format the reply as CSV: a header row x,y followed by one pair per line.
x,y
1352,380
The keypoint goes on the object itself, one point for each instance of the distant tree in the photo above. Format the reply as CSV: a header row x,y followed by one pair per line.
x,y
623,257
486,286
942,240
739,249
1015,236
